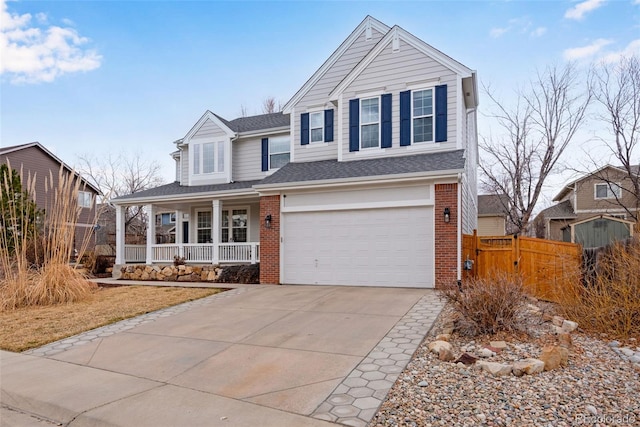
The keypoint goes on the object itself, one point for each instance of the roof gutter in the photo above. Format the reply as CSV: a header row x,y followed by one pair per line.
x,y
341,182
185,197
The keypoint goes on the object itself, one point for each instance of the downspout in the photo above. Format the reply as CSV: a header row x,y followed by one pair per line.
x,y
459,250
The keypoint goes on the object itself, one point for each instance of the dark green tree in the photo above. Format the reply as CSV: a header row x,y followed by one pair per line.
x,y
18,212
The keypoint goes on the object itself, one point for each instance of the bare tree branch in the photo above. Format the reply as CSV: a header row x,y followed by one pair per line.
x,y
121,175
533,136
617,92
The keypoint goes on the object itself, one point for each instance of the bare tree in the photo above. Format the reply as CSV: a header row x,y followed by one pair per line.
x,y
617,92
270,105
121,175
243,110
533,136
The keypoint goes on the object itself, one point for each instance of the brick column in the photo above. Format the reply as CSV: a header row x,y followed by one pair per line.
x,y
270,241
446,238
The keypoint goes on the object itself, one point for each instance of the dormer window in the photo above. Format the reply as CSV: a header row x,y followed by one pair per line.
x,y
208,157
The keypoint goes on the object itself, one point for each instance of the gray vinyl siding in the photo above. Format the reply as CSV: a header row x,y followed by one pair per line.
x,y
184,166
247,159
394,71
318,95
209,130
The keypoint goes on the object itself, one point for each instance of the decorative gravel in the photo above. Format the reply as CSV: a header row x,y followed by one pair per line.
x,y
599,387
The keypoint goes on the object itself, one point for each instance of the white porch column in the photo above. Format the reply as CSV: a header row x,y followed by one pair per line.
x,y
120,235
178,233
216,223
151,232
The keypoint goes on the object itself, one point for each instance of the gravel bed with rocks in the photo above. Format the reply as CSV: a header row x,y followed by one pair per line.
x,y
598,386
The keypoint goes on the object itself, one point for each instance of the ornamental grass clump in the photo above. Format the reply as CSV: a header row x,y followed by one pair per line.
x,y
487,305
47,235
609,301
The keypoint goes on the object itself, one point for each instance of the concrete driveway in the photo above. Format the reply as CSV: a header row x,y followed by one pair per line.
x,y
255,355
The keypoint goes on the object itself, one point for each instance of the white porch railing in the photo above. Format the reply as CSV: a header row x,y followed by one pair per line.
x,y
135,253
196,252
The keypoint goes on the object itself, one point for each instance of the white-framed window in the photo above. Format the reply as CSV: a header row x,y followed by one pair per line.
x,y
235,225
166,218
84,199
208,157
422,115
370,122
316,126
203,226
607,191
279,151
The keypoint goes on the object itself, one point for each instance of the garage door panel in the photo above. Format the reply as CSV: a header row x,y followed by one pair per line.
x,y
377,247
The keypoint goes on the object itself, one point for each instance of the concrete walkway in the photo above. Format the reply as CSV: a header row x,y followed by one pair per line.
x,y
254,355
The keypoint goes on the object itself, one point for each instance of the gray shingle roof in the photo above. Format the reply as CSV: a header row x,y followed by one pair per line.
x,y
559,210
492,204
260,122
332,169
175,189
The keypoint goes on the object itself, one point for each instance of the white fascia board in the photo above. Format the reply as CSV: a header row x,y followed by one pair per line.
x,y
208,115
375,179
411,40
185,197
369,22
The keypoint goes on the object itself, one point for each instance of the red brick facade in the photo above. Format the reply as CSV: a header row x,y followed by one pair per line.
x,y
270,240
446,238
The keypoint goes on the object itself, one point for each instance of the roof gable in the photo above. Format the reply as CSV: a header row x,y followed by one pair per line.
x,y
365,26
567,188
37,145
208,115
394,36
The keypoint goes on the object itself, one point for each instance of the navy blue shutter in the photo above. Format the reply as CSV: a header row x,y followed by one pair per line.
x,y
405,118
328,125
265,154
441,113
354,125
386,120
304,129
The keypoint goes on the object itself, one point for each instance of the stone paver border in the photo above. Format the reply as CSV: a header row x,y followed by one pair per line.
x,y
356,400
124,325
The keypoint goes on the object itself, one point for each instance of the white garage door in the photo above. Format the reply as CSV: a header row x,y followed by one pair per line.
x,y
364,247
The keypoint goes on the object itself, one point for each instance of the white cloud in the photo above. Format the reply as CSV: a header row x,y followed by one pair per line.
x,y
34,54
587,51
497,32
538,32
633,48
521,25
579,10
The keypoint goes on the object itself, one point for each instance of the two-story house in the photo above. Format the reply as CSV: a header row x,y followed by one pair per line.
x,y
35,160
593,210
367,176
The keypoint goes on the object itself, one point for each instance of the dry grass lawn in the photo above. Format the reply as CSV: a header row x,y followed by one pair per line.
x,y
32,327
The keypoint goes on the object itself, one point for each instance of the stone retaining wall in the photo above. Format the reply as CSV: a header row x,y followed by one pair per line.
x,y
171,273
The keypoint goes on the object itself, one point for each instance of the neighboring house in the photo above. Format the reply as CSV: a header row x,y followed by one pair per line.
x,y
36,161
492,214
367,176
592,210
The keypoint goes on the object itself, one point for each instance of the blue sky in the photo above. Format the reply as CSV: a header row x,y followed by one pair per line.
x,y
100,77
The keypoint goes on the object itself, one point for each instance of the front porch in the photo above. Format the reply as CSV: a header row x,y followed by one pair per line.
x,y
201,253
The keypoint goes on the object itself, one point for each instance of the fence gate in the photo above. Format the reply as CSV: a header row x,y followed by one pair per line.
x,y
547,266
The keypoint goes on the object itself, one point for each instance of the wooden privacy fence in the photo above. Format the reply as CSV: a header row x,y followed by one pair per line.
x,y
547,266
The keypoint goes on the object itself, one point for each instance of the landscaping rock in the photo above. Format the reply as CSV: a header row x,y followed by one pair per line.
x,y
446,355
564,340
494,368
554,356
499,345
486,353
443,337
528,366
557,320
466,359
423,384
569,326
437,346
